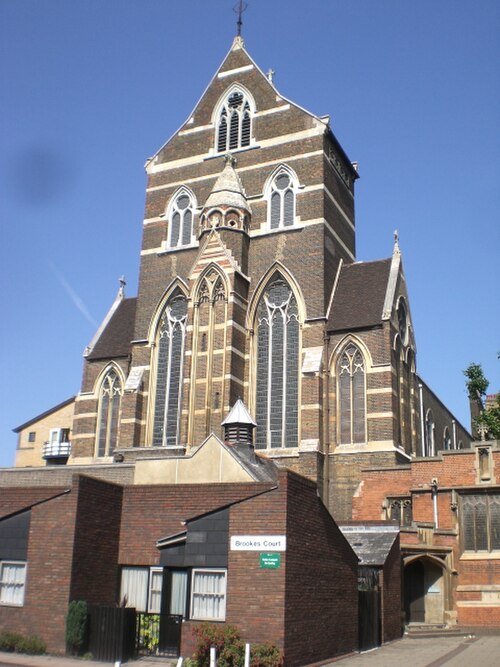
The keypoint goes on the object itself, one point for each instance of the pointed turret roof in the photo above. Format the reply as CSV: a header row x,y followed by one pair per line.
x,y
228,189
239,415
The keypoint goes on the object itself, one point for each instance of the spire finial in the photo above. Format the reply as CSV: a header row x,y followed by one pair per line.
x,y
239,8
396,241
122,282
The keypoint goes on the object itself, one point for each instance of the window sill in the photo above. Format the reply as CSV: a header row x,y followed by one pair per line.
x,y
166,251
269,232
12,604
480,555
232,151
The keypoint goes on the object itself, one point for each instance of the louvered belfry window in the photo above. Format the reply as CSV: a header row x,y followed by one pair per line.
x,y
171,341
282,201
480,522
352,402
181,221
277,394
109,413
235,123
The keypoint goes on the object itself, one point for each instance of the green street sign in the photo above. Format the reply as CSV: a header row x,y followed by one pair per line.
x,y
270,561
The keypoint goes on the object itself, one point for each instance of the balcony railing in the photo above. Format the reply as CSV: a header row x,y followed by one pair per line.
x,y
52,450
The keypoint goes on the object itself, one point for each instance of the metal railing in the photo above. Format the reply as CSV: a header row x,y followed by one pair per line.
x,y
56,449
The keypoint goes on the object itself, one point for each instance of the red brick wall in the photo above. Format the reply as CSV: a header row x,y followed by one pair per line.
x,y
392,604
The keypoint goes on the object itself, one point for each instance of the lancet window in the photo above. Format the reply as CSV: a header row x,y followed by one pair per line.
x,y
170,356
110,395
181,221
351,387
234,125
277,373
281,201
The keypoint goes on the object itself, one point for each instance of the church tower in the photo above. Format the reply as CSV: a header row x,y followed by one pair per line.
x,y
249,289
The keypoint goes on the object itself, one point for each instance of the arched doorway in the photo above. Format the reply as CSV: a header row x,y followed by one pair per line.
x,y
424,583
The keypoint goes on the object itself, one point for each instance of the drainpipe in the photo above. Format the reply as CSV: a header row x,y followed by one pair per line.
x,y
422,425
434,491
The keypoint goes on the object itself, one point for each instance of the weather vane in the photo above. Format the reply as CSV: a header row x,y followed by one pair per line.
x,y
239,8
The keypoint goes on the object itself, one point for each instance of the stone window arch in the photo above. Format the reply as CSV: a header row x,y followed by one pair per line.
x,y
108,419
429,433
234,122
351,392
170,344
277,366
181,219
282,199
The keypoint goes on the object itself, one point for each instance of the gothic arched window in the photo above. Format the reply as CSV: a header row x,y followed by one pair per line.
x,y
234,125
277,380
170,357
351,396
429,434
110,395
446,438
181,220
281,207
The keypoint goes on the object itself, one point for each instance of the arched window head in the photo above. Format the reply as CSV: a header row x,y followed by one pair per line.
x,y
110,395
429,433
170,358
402,322
277,377
234,124
446,439
181,220
351,396
281,206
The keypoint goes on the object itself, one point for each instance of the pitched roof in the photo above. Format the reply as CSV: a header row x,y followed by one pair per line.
x,y
359,297
239,415
48,412
371,544
19,499
114,340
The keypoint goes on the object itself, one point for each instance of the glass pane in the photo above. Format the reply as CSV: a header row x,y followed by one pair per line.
x,y
134,587
176,227
288,206
178,593
494,522
275,210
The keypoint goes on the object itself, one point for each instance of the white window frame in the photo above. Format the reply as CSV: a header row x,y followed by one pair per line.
x,y
222,594
151,590
21,584
148,592
172,209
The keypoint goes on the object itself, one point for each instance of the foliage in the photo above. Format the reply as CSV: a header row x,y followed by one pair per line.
x,y
149,632
76,626
476,383
490,418
265,655
231,648
11,641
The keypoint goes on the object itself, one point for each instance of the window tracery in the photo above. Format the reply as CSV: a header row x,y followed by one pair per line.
x,y
170,357
181,221
351,396
277,373
110,395
234,124
281,206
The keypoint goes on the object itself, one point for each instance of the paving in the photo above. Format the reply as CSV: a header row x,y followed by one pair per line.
x,y
456,651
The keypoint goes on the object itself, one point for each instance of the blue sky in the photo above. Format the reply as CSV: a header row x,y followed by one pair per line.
x,y
92,88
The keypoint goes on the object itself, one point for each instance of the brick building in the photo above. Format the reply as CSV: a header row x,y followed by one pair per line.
x,y
90,541
448,508
249,288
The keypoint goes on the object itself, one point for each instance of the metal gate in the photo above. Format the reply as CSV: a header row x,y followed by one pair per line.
x,y
158,634
111,633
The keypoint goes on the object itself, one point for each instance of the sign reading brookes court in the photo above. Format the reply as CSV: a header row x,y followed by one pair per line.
x,y
258,542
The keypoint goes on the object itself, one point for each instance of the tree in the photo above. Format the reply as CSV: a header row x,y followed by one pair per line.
x,y
477,385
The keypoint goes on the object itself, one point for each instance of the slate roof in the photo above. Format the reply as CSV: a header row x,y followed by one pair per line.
x,y
115,340
371,544
228,190
19,499
359,297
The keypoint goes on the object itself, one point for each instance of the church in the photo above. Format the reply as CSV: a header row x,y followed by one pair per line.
x,y
258,351
250,289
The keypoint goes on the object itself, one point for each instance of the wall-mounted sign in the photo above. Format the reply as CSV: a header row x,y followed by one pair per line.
x,y
135,377
270,561
258,542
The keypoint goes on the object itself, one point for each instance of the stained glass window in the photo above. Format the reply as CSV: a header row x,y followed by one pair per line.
x,y
109,413
277,394
171,341
480,522
351,396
